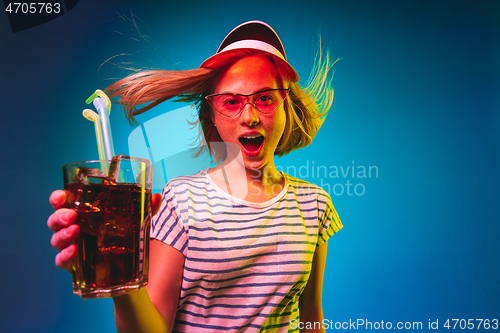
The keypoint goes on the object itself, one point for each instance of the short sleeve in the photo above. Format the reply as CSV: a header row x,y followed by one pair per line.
x,y
167,225
329,222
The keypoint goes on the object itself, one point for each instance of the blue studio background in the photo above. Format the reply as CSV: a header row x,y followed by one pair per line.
x,y
417,103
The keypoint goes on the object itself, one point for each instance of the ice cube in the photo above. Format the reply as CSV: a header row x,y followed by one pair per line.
x,y
102,272
115,236
83,174
114,168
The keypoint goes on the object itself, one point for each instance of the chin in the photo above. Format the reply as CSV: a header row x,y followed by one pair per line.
x,y
255,163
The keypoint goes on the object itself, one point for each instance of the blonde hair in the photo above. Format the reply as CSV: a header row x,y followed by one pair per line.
x,y
305,108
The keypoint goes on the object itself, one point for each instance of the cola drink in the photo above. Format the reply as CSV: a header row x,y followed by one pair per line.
x,y
113,244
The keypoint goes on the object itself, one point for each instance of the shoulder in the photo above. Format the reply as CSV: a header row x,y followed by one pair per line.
x,y
304,188
194,183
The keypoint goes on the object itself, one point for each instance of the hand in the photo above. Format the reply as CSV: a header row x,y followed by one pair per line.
x,y
62,222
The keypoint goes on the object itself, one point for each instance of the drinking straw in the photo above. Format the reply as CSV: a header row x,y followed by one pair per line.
x,y
94,117
103,106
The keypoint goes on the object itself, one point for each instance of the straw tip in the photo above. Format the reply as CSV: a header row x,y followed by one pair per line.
x,y
90,115
91,98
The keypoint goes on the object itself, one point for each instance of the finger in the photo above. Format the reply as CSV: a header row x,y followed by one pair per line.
x,y
65,258
155,203
62,239
58,199
61,218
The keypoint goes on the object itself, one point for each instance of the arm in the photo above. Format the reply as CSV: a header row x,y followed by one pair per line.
x,y
310,302
153,309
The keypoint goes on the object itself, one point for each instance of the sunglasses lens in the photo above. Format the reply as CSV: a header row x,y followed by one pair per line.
x,y
231,104
227,104
268,101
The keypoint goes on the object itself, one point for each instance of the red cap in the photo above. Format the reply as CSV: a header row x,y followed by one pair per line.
x,y
255,35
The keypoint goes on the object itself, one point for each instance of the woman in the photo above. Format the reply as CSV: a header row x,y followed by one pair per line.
x,y
240,247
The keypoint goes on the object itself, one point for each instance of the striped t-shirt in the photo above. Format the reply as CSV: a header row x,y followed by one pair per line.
x,y
246,263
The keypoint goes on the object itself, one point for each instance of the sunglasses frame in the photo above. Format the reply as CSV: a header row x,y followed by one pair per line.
x,y
208,97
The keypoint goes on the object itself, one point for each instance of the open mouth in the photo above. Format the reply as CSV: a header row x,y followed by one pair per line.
x,y
252,142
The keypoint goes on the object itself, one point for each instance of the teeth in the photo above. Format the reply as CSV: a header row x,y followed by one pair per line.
x,y
251,136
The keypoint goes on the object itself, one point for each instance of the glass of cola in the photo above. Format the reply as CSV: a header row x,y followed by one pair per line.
x,y
113,204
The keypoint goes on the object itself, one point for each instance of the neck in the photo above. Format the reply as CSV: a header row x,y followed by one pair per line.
x,y
257,185
237,172
267,175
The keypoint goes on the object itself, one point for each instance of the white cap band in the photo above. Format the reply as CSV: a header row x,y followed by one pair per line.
x,y
254,44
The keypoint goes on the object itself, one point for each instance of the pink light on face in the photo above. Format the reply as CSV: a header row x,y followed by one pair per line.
x,y
247,76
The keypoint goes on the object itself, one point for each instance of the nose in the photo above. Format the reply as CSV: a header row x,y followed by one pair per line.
x,y
249,115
